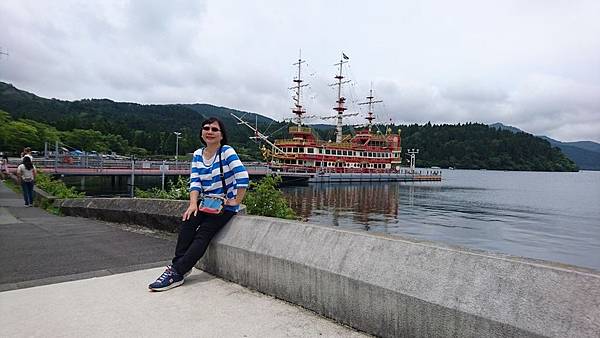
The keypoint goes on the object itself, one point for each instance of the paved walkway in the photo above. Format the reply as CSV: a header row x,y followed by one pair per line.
x,y
73,277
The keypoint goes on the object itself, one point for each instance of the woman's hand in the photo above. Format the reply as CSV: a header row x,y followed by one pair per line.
x,y
192,209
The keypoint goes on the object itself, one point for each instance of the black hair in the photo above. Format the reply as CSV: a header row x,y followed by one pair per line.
x,y
212,120
27,162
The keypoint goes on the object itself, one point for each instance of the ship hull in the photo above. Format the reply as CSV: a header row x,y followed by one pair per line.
x,y
312,177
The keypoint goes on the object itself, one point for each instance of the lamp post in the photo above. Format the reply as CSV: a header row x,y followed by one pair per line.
x,y
412,153
177,137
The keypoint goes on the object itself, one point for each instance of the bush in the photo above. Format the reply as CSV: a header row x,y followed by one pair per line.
x,y
177,190
264,199
55,187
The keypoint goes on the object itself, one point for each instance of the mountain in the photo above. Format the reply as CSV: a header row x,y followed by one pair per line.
x,y
149,127
501,126
103,125
586,154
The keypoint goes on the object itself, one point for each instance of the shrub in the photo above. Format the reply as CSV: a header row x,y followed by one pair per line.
x,y
55,187
264,199
177,190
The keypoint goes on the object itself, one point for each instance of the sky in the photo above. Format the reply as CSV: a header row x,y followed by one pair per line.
x,y
531,64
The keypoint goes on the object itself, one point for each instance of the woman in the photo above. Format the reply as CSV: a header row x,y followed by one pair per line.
x,y
4,167
199,227
26,153
26,175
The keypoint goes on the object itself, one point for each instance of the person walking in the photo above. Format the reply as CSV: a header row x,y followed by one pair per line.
x,y
219,177
26,173
4,167
26,153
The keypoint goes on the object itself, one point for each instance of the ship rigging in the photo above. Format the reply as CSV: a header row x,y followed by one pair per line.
x,y
365,152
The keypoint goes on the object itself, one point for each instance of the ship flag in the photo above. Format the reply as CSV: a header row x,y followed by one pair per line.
x,y
345,56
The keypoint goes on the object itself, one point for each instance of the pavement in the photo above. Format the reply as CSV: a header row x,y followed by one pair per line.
x,y
73,277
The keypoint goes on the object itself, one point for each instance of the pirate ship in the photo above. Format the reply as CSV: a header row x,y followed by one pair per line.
x,y
366,155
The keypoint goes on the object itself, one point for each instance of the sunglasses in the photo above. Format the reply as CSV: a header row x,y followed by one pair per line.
x,y
213,129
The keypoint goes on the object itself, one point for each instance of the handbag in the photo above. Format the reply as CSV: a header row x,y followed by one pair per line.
x,y
213,204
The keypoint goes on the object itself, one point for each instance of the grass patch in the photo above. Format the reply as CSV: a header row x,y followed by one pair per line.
x,y
12,185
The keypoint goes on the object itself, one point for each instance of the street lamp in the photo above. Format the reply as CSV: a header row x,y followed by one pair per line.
x,y
412,153
177,137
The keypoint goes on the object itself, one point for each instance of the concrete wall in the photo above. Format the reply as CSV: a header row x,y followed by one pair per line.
x,y
153,213
395,287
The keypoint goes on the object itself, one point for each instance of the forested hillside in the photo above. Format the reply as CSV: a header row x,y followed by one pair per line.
x,y
585,154
477,146
129,128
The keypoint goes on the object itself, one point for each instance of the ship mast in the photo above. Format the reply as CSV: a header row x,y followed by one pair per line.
x,y
298,109
340,100
370,102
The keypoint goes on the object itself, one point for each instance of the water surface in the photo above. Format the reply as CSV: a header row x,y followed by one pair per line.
x,y
551,216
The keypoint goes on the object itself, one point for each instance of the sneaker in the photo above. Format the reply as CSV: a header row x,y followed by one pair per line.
x,y
168,280
185,274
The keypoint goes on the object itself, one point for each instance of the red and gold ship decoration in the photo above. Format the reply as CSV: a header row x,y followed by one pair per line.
x,y
364,152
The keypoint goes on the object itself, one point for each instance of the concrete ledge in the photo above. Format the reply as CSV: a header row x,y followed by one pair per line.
x,y
388,286
153,213
394,287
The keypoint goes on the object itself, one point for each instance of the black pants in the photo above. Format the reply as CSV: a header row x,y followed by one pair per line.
x,y
194,236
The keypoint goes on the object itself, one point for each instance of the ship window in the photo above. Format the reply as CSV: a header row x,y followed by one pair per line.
x,y
294,150
311,150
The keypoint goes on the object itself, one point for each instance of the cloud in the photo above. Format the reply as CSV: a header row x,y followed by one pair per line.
x,y
535,65
561,108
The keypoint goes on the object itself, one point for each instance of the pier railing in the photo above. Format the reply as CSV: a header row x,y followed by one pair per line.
x,y
96,166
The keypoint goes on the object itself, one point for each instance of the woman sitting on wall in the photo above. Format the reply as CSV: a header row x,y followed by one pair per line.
x,y
220,177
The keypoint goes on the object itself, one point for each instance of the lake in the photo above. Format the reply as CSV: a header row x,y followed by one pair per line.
x,y
550,216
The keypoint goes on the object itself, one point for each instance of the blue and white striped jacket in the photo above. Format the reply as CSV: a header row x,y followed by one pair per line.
x,y
205,175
